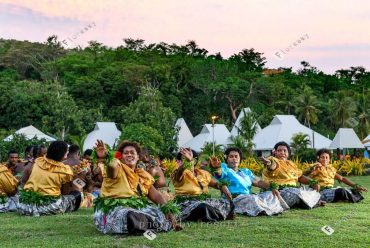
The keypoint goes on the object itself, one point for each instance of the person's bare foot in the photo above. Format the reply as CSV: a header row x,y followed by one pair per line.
x,y
322,203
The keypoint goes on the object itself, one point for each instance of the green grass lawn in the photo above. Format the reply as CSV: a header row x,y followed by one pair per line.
x,y
294,228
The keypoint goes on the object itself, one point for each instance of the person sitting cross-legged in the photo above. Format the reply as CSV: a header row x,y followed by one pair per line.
x,y
240,181
283,174
123,205
325,174
42,193
192,194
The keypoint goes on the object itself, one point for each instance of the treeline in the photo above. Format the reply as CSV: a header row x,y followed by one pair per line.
x,y
64,92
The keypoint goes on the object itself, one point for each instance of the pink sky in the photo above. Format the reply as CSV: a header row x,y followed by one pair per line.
x,y
338,31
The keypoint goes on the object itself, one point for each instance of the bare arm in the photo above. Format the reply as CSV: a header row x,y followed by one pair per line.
x,y
265,185
155,196
349,182
223,188
269,163
26,174
157,172
306,180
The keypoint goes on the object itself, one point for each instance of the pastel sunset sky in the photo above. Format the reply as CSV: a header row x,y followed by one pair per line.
x,y
336,32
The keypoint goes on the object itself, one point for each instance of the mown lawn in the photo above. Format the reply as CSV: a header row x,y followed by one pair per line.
x,y
294,228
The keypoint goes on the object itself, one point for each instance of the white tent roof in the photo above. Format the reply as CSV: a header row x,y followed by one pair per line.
x,y
234,130
366,141
346,138
283,128
105,131
184,134
31,132
221,136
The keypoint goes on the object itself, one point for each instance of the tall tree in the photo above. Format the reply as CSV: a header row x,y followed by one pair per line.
x,y
307,107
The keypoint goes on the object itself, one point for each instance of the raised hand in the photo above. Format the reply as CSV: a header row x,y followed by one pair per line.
x,y
187,153
101,150
265,161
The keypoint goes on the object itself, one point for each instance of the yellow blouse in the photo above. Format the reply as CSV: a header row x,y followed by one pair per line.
x,y
286,172
188,183
8,183
126,183
324,174
48,176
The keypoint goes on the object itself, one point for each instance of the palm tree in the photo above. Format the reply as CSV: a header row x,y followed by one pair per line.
x,y
247,130
300,141
343,108
363,115
207,151
307,107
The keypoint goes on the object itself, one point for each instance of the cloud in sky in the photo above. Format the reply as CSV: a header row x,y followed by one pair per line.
x,y
338,29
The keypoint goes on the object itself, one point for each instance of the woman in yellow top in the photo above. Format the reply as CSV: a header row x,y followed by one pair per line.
x,y
325,174
284,175
8,189
191,188
44,192
123,205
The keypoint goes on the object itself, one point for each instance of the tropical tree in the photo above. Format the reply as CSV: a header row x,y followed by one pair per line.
x,y
363,114
148,109
247,130
146,136
342,109
307,107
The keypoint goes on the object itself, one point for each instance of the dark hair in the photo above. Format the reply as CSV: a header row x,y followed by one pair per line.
x,y
36,150
12,152
282,143
73,149
322,151
233,149
57,150
28,150
125,144
195,155
88,152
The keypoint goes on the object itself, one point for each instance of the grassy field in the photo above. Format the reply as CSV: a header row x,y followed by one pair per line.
x,y
294,228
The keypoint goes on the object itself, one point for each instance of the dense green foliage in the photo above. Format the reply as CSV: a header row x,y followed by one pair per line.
x,y
64,92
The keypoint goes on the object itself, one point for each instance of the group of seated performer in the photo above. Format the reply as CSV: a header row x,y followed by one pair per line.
x,y
131,194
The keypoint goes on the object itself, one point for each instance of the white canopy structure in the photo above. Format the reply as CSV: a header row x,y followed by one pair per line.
x,y
105,131
31,132
366,141
346,138
184,134
236,127
283,128
221,135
